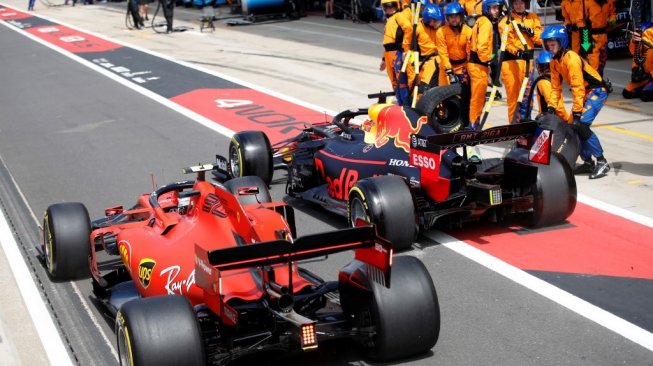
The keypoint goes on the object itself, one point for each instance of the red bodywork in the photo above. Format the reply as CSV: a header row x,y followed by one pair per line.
x,y
197,240
162,251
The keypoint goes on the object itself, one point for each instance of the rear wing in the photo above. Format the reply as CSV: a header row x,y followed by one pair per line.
x,y
367,246
427,152
487,136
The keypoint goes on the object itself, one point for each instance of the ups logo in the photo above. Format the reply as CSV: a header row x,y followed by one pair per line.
x,y
145,268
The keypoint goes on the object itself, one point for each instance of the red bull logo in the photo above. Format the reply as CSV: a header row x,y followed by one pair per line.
x,y
392,122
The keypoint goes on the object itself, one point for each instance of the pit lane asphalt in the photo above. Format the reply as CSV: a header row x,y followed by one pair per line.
x,y
70,134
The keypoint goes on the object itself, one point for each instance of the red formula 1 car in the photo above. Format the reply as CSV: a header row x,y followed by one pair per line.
x,y
398,169
209,272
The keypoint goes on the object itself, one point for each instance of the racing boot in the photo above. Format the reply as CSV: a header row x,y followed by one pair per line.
x,y
601,169
585,168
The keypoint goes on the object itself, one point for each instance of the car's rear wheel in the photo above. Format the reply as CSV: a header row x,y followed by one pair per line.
x,y
250,153
565,139
160,331
386,202
554,193
405,317
66,238
443,108
263,195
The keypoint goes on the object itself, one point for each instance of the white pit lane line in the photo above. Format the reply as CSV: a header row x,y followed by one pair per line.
x,y
54,347
581,307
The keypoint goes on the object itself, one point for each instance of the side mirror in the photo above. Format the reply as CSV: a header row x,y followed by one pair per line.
x,y
112,211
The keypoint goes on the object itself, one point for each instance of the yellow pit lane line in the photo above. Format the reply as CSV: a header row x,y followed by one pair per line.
x,y
627,105
624,131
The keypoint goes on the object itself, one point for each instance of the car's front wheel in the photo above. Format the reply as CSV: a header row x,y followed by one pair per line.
x,y
66,240
250,153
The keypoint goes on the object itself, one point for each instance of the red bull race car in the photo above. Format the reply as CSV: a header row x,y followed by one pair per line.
x,y
397,170
201,273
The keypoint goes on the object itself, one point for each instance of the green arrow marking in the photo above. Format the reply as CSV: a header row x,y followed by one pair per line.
x,y
586,40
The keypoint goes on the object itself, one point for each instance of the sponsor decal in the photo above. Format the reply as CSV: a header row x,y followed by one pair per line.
x,y
221,163
393,123
71,40
422,160
214,205
11,14
145,268
246,109
139,77
340,186
202,265
398,162
125,250
539,153
174,285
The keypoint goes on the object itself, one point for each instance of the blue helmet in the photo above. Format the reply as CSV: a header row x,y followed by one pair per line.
x,y
646,25
432,12
454,8
543,60
557,32
488,3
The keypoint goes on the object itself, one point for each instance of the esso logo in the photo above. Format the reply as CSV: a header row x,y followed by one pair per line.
x,y
424,162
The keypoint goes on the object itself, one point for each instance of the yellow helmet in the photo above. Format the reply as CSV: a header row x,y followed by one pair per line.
x,y
370,125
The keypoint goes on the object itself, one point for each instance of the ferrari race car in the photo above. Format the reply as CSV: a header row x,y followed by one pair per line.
x,y
401,171
207,273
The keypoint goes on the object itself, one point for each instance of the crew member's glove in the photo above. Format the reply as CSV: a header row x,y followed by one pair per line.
x,y
550,110
528,31
524,55
576,119
452,77
612,22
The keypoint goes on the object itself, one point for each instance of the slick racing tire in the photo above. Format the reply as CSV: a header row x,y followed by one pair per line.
x,y
554,193
406,315
443,108
66,238
386,202
263,196
161,330
565,139
250,153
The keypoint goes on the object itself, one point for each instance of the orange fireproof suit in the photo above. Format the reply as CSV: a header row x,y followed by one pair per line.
x,y
513,66
472,7
452,50
592,21
481,53
427,57
392,43
572,13
641,83
544,99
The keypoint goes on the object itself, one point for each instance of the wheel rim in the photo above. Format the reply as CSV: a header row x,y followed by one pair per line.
x,y
357,212
49,255
123,347
447,112
235,161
